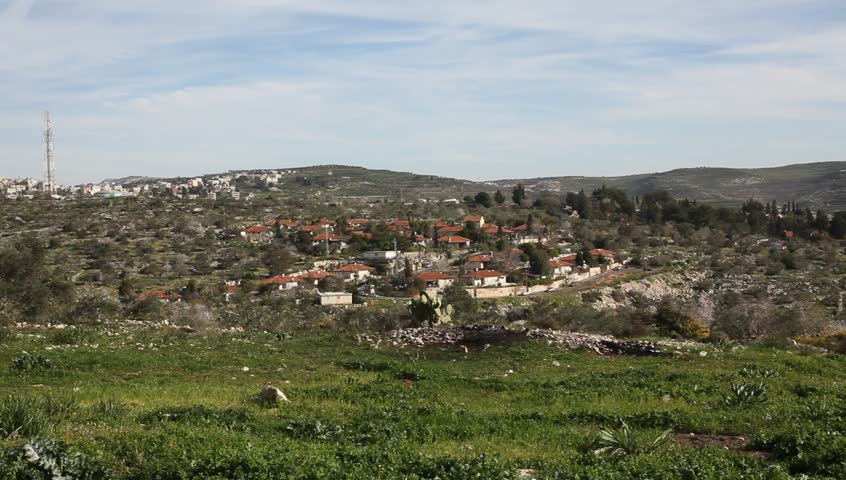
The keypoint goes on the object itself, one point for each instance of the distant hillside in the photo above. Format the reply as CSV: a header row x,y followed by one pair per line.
x,y
342,180
817,185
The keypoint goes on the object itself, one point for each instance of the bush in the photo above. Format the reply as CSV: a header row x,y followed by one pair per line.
x,y
92,305
26,362
745,395
622,441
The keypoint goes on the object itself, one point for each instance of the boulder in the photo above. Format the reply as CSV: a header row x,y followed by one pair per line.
x,y
271,394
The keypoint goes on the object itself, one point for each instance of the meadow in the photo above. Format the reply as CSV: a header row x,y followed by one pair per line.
x,y
165,404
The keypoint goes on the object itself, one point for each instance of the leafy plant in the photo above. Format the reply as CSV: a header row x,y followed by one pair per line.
x,y
746,395
27,361
623,441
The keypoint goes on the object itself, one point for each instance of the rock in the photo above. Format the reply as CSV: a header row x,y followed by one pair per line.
x,y
556,364
271,394
245,369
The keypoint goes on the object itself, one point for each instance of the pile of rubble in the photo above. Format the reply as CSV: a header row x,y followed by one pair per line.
x,y
481,337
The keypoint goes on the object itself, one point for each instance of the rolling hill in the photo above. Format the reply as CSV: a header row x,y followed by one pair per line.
x,y
817,185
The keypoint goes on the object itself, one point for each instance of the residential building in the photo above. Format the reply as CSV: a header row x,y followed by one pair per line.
x,y
355,272
484,278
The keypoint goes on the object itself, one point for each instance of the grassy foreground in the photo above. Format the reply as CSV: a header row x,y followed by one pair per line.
x,y
152,404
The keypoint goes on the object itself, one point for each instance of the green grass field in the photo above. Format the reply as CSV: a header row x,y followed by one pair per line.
x,y
152,404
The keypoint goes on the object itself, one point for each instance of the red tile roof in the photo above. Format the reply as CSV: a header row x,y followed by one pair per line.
x,y
316,275
483,274
480,258
450,229
282,279
329,236
561,263
604,253
258,229
433,276
311,228
453,239
473,218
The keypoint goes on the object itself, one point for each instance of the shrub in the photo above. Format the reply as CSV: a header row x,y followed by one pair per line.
x,y
92,305
26,362
623,441
745,395
48,458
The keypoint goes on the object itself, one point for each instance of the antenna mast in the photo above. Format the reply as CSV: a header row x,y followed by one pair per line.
x,y
50,185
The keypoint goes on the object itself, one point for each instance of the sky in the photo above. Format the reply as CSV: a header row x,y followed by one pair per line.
x,y
476,89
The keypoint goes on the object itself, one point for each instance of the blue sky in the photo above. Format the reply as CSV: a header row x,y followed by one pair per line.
x,y
467,88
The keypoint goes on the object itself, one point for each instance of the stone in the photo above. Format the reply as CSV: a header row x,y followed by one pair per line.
x,y
271,394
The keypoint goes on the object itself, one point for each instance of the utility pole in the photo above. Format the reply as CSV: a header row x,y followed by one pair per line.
x,y
326,229
50,181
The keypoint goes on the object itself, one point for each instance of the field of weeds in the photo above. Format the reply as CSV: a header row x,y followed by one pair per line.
x,y
163,404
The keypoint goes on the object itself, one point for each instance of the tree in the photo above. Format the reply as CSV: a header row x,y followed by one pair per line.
x,y
499,198
126,290
277,259
461,301
538,262
837,228
518,195
27,284
483,199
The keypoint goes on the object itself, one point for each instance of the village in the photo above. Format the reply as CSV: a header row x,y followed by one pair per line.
x,y
434,259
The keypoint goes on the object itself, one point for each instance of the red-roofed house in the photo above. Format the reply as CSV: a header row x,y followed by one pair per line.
x,y
478,261
561,267
601,252
477,221
354,272
454,241
337,241
258,233
449,230
358,222
400,225
284,282
484,278
435,279
288,225
313,228
314,277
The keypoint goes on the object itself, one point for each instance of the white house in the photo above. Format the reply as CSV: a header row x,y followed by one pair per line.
x,y
354,272
336,298
435,279
484,278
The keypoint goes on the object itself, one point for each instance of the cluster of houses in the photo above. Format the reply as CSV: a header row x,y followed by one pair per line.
x,y
329,233
210,186
430,270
